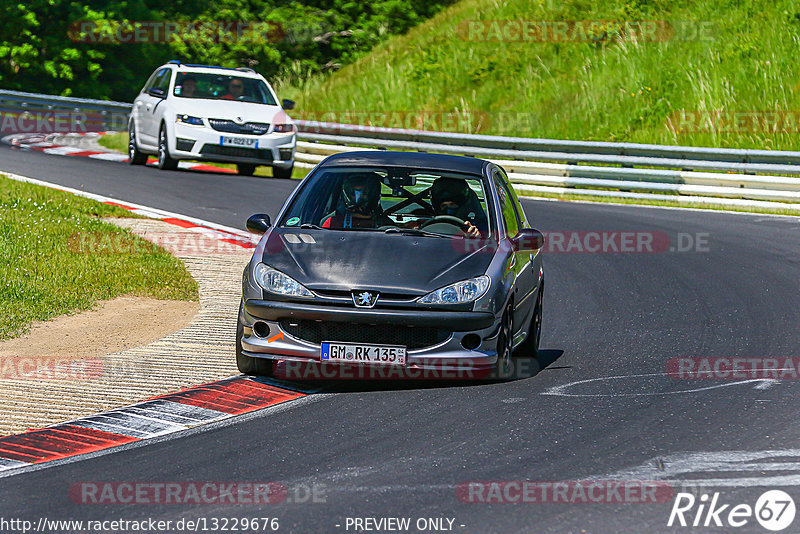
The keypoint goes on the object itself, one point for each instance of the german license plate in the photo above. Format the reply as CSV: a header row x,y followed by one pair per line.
x,y
357,353
243,142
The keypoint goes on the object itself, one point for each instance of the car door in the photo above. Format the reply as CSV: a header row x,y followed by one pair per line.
x,y
522,263
148,122
139,105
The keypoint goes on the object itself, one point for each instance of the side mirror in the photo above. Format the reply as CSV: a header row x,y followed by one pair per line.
x,y
527,239
287,104
258,223
157,92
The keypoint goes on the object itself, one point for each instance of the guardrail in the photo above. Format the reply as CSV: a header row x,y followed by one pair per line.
x,y
696,174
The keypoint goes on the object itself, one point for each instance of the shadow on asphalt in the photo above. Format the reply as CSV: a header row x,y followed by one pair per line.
x,y
352,379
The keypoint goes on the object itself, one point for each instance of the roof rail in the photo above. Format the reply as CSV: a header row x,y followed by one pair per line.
x,y
245,69
174,62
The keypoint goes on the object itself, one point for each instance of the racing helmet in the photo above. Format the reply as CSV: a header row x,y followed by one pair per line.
x,y
361,193
446,189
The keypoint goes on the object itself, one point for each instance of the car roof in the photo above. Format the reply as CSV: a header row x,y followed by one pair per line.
x,y
425,160
209,69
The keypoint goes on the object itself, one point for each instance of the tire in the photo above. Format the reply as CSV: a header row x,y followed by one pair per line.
x,y
530,347
245,363
165,161
280,172
135,156
246,169
505,342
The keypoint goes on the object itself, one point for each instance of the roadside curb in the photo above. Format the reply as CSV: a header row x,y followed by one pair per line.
x,y
162,415
165,413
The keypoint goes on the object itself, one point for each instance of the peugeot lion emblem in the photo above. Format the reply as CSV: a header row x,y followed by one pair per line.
x,y
364,299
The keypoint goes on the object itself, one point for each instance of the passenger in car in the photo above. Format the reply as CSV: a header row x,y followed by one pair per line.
x,y
235,89
360,198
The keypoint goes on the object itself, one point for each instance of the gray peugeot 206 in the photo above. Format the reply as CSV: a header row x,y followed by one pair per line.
x,y
394,260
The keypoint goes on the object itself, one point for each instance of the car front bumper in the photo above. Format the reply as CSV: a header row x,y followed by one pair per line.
x,y
204,143
445,355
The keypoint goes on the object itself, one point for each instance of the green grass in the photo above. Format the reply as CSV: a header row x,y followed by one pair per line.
x,y
612,90
56,257
116,141
119,142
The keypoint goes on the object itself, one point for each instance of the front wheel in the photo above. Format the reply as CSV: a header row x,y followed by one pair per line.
x,y
505,343
247,364
165,161
280,172
135,156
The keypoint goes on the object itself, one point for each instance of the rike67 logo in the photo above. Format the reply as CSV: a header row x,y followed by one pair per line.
x,y
774,510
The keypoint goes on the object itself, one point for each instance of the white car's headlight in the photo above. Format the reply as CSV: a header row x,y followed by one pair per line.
x,y
276,282
458,293
188,119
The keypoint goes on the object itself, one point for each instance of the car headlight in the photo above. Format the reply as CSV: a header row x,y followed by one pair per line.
x,y
276,282
284,128
458,293
188,119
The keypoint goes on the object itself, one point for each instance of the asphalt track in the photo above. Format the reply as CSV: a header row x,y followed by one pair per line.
x,y
402,450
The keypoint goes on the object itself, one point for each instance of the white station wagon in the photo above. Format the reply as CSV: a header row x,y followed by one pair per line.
x,y
199,112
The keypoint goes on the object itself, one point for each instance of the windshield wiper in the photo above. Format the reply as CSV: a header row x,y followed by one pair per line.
x,y
309,226
414,232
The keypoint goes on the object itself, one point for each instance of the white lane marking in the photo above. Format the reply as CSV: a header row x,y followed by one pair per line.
x,y
162,214
673,466
62,150
766,384
561,390
5,463
108,156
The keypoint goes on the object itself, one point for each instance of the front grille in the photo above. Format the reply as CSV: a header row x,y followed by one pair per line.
x,y
248,128
413,337
338,293
220,150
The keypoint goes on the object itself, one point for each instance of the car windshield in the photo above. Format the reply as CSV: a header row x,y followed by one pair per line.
x,y
223,87
392,199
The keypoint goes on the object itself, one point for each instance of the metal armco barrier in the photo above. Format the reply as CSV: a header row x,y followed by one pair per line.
x,y
685,174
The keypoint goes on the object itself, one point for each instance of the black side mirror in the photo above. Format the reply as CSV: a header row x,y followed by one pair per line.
x,y
258,223
528,239
157,92
287,104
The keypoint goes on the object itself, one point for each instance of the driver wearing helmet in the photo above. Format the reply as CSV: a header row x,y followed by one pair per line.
x,y
361,196
452,196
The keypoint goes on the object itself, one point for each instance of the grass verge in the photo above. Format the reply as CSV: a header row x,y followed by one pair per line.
x,y
650,202
720,74
57,256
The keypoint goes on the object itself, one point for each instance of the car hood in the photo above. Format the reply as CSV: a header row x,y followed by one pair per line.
x,y
395,263
228,109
